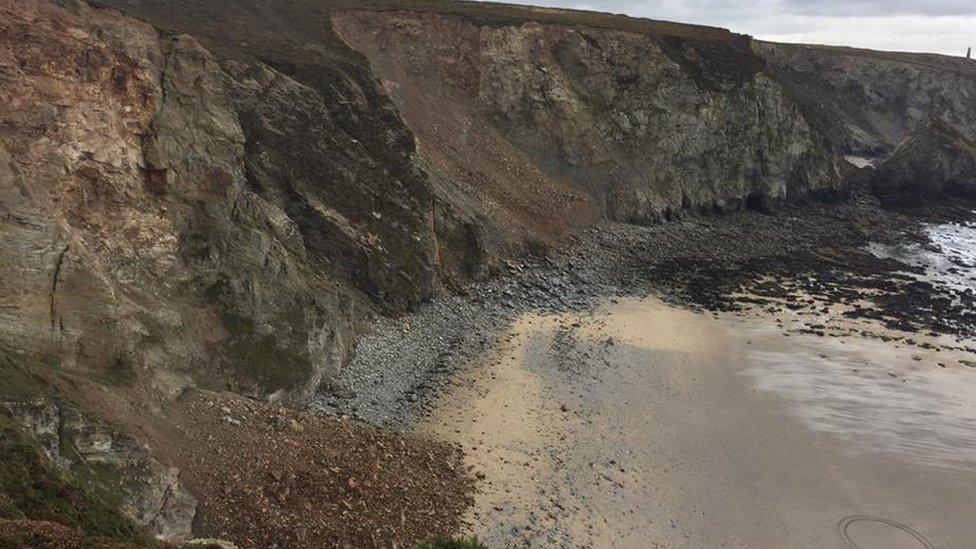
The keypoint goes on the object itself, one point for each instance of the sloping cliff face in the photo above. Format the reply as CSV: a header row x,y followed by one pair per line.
x,y
222,207
934,161
646,126
867,102
216,192
169,218
179,219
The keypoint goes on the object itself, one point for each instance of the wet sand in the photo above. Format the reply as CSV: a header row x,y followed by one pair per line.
x,y
645,425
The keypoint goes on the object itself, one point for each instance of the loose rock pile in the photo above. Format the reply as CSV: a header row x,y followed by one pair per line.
x,y
272,477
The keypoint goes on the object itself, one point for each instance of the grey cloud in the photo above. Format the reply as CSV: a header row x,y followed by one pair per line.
x,y
852,8
841,8
940,26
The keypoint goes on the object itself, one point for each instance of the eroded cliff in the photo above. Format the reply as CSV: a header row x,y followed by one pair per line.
x,y
867,102
165,211
170,219
220,207
643,126
934,162
216,193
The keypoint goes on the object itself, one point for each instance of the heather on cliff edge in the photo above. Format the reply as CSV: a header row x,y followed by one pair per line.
x,y
31,488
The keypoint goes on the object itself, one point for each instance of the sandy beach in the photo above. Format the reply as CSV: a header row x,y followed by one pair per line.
x,y
647,425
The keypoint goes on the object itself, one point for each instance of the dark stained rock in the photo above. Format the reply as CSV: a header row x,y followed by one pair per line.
x,y
935,161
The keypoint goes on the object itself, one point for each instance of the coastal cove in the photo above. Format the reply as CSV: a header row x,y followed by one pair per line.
x,y
802,406
449,274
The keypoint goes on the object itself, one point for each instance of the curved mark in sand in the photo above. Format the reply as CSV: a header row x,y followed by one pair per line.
x,y
846,522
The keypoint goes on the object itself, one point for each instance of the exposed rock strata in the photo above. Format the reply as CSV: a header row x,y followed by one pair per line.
x,y
224,219
866,102
165,212
645,126
170,219
935,161
152,495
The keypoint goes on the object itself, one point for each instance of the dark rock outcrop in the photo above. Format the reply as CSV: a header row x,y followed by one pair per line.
x,y
866,102
150,493
935,161
644,127
184,219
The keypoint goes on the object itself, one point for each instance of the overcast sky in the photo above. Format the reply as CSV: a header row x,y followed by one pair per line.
x,y
939,26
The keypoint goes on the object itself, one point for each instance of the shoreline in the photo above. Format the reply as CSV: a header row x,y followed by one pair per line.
x,y
504,373
809,261
644,424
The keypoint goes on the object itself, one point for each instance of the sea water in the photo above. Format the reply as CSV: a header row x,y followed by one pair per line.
x,y
878,395
949,260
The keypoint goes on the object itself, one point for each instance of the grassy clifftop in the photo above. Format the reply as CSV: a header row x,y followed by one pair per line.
x,y
299,31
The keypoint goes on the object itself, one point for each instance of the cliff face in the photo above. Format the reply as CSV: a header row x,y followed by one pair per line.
x,y
169,218
867,102
935,161
221,207
168,212
644,126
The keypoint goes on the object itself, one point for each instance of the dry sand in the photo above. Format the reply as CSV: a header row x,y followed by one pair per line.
x,y
645,425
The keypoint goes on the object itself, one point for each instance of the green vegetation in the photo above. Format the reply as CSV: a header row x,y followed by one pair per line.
x,y
16,382
471,543
271,360
271,33
264,358
489,13
31,488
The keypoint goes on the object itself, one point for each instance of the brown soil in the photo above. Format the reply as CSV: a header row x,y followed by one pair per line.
x,y
268,476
